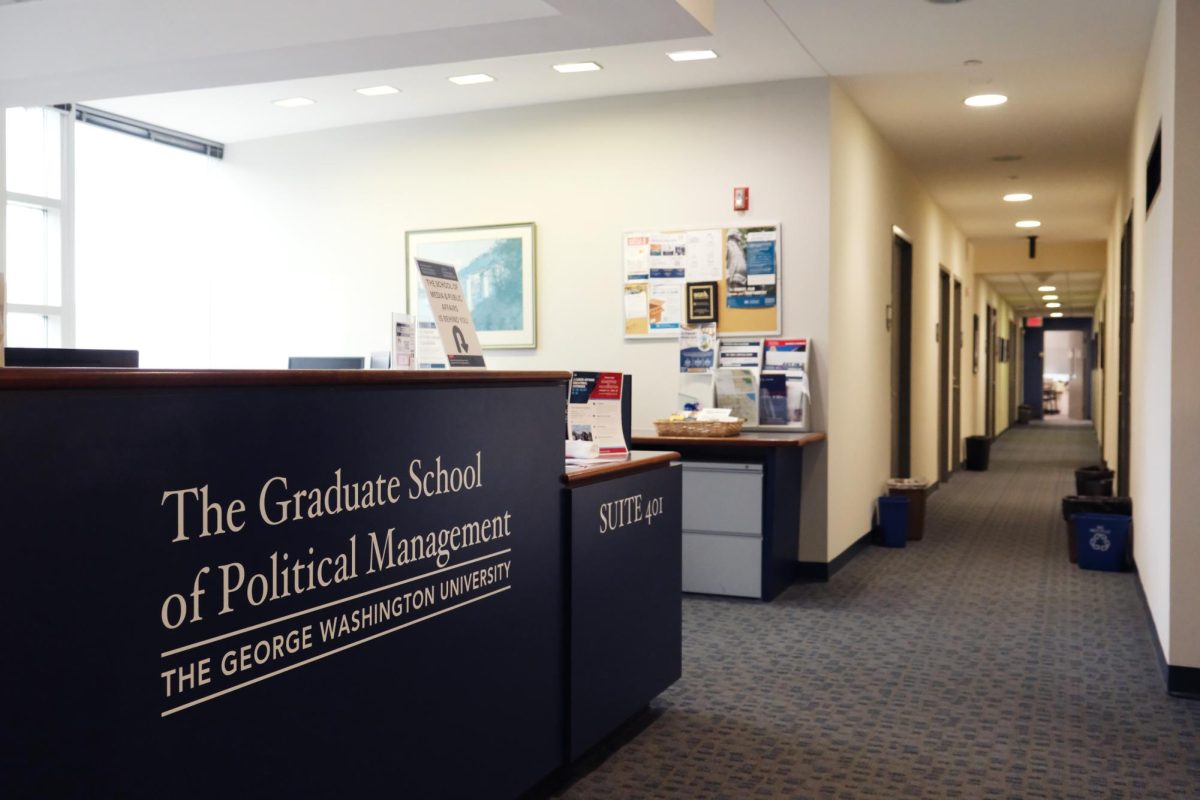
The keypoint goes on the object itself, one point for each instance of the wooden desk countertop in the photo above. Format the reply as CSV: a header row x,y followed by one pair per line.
x,y
754,439
639,460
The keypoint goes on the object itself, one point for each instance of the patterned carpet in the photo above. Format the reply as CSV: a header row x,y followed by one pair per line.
x,y
977,663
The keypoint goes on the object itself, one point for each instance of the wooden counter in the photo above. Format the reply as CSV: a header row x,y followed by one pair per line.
x,y
639,460
744,440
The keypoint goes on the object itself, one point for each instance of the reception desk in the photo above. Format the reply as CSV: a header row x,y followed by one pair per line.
x,y
240,584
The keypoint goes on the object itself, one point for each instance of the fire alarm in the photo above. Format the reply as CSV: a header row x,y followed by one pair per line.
x,y
741,198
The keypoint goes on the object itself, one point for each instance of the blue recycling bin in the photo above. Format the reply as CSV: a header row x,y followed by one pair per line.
x,y
893,521
1103,541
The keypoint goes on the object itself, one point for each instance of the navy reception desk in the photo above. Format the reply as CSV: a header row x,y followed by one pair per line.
x,y
741,509
626,635
269,584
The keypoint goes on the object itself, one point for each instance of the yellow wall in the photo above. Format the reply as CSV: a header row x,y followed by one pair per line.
x,y
872,191
994,256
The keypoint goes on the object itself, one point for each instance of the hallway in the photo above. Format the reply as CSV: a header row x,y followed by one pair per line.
x,y
977,663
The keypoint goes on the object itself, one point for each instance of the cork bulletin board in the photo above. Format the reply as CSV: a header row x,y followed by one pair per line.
x,y
661,268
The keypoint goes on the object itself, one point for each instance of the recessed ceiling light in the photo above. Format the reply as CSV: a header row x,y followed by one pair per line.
x,y
1029,223
468,80
294,102
1057,314
691,55
1053,305
985,100
582,66
1047,288
376,91
1017,197
1049,297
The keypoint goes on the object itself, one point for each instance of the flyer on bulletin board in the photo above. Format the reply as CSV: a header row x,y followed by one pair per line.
x,y
751,267
637,309
666,306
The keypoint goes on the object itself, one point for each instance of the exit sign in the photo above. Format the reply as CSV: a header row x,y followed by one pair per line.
x,y
1033,322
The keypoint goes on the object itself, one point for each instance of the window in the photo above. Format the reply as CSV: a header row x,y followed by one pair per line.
x,y
39,310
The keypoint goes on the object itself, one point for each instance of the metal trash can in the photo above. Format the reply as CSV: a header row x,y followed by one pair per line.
x,y
916,490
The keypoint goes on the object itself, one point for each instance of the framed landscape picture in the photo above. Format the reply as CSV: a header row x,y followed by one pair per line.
x,y
496,267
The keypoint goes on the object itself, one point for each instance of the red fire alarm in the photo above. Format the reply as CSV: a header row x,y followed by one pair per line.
x,y
741,198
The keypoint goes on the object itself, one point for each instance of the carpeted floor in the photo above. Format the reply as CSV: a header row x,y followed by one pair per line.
x,y
977,663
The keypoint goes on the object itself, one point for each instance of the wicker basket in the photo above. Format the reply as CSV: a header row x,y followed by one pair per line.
x,y
666,427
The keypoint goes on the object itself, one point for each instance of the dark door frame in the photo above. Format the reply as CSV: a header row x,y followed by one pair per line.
x,y
1013,371
901,329
990,382
956,386
943,343
1125,345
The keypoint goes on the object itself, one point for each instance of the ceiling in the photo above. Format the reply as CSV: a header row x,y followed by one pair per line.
x,y
1078,292
1072,70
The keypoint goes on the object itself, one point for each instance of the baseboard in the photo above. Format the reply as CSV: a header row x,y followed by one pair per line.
x,y
821,572
1181,682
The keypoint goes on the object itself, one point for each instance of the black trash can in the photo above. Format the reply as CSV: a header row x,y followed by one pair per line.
x,y
1024,414
978,450
1073,505
1094,481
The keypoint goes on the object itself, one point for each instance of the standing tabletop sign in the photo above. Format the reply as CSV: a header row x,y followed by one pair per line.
x,y
451,314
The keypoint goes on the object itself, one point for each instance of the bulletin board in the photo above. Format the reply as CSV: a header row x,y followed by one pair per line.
x,y
744,262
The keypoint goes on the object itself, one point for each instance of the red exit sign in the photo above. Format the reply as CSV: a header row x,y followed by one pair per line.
x,y
1033,322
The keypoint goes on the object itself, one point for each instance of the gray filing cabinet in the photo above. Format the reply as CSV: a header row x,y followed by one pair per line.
x,y
722,528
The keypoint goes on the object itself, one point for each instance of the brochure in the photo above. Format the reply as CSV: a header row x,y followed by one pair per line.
x,y
594,413
773,399
740,353
430,354
798,398
697,348
404,341
785,354
737,390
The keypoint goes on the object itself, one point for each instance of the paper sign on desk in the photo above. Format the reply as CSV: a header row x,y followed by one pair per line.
x,y
594,412
451,314
404,341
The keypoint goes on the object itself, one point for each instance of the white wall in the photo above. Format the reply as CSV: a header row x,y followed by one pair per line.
x,y
1185,318
1152,376
872,192
1061,353
3,222
303,253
